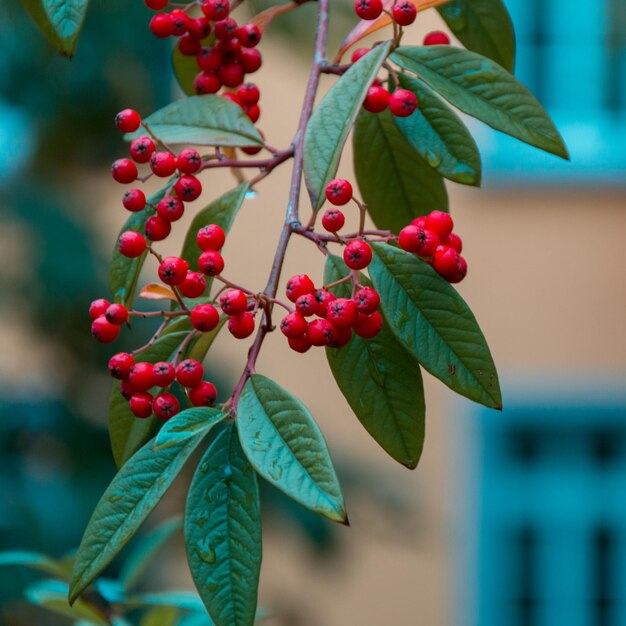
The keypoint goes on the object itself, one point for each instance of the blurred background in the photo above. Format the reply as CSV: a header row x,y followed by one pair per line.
x,y
511,519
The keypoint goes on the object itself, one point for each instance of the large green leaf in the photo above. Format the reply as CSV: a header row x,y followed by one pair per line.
x,y
481,88
187,424
33,560
439,135
185,70
381,381
204,121
332,121
60,21
127,501
287,448
483,26
223,532
434,323
395,182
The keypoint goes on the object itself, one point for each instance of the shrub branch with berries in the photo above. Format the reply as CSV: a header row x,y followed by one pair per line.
x,y
385,310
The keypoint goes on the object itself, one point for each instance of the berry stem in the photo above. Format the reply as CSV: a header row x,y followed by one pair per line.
x,y
156,335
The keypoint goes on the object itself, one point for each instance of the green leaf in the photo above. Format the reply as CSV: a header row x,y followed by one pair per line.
x,y
124,272
483,26
396,183
127,432
439,135
435,324
60,21
381,381
144,552
33,560
481,88
187,424
127,501
332,121
223,532
52,595
202,121
287,448
185,70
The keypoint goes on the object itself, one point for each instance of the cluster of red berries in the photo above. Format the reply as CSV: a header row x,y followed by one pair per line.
x,y
431,238
224,51
139,377
403,12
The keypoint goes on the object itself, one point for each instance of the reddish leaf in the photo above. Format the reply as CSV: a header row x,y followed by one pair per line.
x,y
156,291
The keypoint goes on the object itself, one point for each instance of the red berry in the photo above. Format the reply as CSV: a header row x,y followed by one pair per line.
x,y
368,9
252,150
188,161
161,25
141,404
253,112
205,83
120,364
420,222
321,332
225,29
250,59
204,394
126,389
211,263
189,373
306,305
163,163
298,285
377,99
343,336
163,374
141,149
211,237
165,406
170,208
402,102
173,270
418,240
436,38
231,74
131,244
124,171
293,325
404,12
117,314
156,5
156,228
450,264
205,317
103,331
193,286
189,45
441,223
216,9
368,326
358,53
234,302
128,120
209,59
357,255
248,94
242,325
333,220
200,28
230,50
180,22
134,200
249,35
341,313
454,241
140,376
339,191
323,297
367,300
98,307
299,344
188,188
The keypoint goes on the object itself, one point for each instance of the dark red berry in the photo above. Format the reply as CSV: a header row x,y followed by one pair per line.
x,y
299,344
170,208
156,228
242,325
333,220
339,191
134,200
357,255
131,244
248,94
141,149
234,302
103,331
404,12
205,317
358,53
193,286
188,188
165,405
216,9
204,394
180,22
368,326
368,9
206,83
341,312
231,74
249,35
141,404
117,314
450,264
156,5
321,332
189,373
124,171
163,163
98,307
189,45
367,300
323,297
188,161
298,285
377,99
209,59
225,29
402,102
436,38
161,25
140,376
126,389
293,325
163,374
342,337
128,120
250,59
173,270
306,305
211,237
253,112
441,223
211,263
418,240
120,364
200,28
